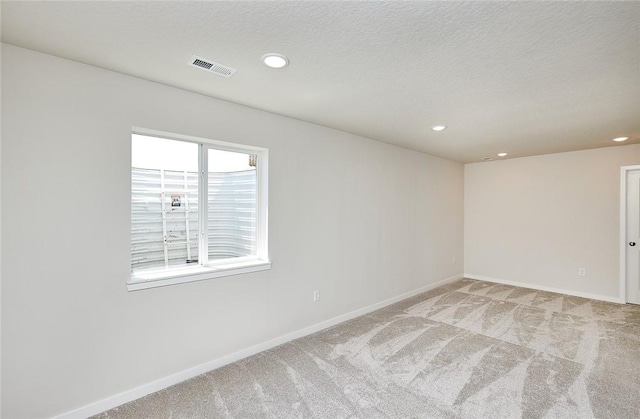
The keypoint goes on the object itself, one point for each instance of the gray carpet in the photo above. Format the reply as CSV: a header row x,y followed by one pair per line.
x,y
469,349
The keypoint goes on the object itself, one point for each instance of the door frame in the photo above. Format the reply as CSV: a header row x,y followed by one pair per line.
x,y
624,170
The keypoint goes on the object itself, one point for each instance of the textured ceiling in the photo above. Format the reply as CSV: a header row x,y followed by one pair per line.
x,y
522,77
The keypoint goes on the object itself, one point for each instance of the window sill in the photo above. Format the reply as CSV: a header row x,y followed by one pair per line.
x,y
163,278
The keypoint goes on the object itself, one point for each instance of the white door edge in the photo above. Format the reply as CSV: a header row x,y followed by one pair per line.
x,y
624,170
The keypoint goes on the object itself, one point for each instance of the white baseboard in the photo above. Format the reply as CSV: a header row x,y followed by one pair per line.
x,y
152,387
543,288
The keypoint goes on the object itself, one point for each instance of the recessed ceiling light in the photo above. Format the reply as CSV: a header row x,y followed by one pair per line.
x,y
502,154
274,60
438,127
620,139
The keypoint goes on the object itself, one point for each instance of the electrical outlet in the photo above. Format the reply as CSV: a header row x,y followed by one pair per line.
x,y
582,271
316,296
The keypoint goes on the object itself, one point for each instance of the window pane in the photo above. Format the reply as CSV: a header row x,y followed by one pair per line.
x,y
232,195
164,202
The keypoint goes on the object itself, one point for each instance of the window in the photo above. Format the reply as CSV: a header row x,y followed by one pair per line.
x,y
198,209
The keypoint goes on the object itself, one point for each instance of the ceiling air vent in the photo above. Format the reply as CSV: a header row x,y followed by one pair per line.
x,y
212,66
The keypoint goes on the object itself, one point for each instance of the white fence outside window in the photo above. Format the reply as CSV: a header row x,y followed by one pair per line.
x,y
164,217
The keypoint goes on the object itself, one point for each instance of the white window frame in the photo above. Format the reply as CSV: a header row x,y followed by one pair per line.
x,y
207,270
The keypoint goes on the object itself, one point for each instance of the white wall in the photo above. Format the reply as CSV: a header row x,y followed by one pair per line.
x,y
357,219
0,226
537,220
